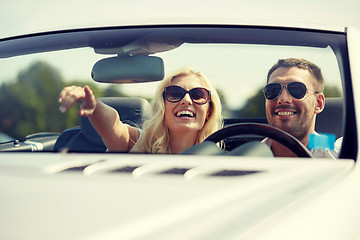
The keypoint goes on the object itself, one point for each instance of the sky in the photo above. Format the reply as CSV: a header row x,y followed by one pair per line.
x,y
28,16
18,17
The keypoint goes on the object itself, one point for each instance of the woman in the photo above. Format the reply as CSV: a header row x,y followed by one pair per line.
x,y
186,109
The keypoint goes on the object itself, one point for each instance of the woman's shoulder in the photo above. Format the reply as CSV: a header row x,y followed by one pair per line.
x,y
136,147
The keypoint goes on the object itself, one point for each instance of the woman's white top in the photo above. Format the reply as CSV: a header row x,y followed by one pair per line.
x,y
136,147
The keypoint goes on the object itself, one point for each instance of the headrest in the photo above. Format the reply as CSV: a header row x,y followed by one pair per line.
x,y
132,110
331,119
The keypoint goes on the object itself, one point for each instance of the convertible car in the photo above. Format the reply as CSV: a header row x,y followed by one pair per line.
x,y
57,181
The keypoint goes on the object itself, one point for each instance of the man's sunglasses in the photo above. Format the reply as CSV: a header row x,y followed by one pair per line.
x,y
297,90
175,94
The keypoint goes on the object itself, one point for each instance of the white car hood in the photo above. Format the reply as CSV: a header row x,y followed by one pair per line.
x,y
87,196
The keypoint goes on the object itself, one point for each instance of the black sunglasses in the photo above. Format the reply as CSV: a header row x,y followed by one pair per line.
x,y
176,93
297,90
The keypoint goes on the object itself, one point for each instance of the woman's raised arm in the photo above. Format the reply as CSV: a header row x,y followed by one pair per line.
x,y
105,119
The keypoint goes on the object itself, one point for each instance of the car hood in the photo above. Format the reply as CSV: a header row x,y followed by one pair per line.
x,y
136,196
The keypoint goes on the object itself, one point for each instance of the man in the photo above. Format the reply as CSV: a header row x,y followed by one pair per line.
x,y
294,96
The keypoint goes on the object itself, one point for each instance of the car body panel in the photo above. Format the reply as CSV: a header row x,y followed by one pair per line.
x,y
330,216
66,195
151,204
353,37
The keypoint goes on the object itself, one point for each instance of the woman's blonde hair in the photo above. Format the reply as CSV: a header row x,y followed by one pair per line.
x,y
156,139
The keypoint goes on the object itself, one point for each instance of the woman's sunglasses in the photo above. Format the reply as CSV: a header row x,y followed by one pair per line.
x,y
175,94
297,90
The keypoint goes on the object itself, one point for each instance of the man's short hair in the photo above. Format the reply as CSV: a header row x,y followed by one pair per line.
x,y
301,64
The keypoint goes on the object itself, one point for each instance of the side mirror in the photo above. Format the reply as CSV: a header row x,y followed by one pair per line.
x,y
128,69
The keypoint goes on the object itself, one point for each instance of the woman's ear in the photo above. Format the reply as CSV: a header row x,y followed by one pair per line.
x,y
320,103
209,111
208,116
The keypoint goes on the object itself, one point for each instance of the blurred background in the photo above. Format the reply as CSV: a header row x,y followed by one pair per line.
x,y
18,17
29,16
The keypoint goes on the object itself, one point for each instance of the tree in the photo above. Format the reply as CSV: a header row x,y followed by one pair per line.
x,y
24,109
30,102
332,91
254,107
114,91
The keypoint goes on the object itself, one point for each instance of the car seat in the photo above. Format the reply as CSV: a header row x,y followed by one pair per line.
x,y
331,119
84,138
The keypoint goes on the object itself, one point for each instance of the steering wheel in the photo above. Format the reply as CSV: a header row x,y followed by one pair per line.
x,y
265,130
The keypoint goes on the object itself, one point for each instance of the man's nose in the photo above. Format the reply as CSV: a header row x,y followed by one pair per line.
x,y
284,96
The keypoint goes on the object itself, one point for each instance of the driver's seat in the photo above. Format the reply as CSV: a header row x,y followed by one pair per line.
x,y
331,119
133,111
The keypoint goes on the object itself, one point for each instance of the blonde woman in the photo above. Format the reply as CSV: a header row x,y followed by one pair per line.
x,y
186,110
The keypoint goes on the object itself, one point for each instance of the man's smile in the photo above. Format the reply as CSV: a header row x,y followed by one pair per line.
x,y
285,113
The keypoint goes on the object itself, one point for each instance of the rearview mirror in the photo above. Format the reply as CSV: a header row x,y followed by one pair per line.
x,y
128,69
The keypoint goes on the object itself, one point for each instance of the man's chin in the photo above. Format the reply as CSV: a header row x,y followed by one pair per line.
x,y
285,127
297,133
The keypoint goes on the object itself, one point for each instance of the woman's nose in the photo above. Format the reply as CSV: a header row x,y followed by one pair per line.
x,y
186,99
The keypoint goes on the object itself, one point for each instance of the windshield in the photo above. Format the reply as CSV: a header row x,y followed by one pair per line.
x,y
237,68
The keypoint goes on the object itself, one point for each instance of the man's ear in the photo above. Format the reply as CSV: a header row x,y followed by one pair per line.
x,y
320,103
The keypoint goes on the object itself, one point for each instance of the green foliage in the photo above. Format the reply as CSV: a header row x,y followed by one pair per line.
x,y
24,109
254,107
113,91
332,91
29,103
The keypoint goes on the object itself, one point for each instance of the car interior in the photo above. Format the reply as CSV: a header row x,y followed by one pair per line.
x,y
135,111
159,49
